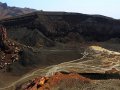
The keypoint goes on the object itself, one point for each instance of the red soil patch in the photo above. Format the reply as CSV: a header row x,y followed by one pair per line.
x,y
46,83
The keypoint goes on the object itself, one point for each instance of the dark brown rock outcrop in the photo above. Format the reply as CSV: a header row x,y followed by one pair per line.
x,y
64,27
9,50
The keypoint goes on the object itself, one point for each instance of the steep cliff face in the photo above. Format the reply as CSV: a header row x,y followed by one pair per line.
x,y
64,27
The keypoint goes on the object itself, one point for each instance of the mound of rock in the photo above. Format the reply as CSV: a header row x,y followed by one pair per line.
x,y
9,50
47,83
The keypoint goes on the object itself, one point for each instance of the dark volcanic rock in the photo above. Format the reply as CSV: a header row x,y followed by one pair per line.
x,y
42,30
64,27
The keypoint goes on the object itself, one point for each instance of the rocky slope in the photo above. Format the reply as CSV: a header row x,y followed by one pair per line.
x,y
60,30
68,81
64,42
64,27
7,11
98,69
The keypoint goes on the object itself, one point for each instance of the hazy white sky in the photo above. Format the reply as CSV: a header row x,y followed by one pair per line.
x,y
109,8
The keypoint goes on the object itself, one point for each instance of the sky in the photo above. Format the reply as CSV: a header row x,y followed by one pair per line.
x,y
109,8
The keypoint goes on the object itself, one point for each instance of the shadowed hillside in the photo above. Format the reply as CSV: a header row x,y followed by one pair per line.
x,y
59,30
64,27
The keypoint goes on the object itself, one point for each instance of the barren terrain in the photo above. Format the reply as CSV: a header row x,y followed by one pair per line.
x,y
81,51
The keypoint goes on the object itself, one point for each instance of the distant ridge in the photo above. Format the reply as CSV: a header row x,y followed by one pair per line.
x,y
7,11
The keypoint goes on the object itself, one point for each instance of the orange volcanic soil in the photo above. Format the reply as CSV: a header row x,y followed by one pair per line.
x,y
46,83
